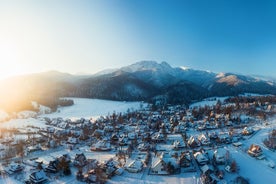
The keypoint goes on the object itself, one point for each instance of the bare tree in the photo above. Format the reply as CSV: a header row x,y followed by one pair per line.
x,y
101,175
234,166
63,166
20,148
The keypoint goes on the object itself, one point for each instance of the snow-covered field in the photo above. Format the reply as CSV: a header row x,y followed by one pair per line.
x,y
23,123
127,178
93,108
48,155
82,108
208,101
257,171
213,100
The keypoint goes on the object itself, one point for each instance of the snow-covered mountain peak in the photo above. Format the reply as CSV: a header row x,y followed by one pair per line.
x,y
148,66
219,75
184,68
107,71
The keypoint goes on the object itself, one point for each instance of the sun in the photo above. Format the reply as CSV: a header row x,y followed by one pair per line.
x,y
9,60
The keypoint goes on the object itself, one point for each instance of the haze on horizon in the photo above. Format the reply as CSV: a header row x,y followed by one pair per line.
x,y
89,36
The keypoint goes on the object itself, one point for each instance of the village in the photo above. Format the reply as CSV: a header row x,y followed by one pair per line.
x,y
204,142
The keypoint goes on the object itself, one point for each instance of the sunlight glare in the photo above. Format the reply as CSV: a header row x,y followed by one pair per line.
x,y
10,64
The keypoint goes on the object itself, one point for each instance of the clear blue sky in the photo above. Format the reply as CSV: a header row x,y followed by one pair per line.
x,y
89,36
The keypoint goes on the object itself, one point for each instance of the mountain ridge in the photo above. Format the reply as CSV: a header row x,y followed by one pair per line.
x,y
145,80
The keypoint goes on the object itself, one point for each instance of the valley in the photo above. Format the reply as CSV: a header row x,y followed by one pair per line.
x,y
124,142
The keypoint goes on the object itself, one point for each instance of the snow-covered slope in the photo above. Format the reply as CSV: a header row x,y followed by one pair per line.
x,y
162,74
104,72
158,74
93,108
82,108
208,102
141,81
149,65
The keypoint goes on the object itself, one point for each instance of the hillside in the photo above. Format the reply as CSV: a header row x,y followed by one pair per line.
x,y
142,81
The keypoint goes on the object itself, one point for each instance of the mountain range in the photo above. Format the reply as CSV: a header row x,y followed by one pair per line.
x,y
145,80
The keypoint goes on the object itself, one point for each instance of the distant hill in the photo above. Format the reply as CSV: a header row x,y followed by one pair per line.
x,y
146,80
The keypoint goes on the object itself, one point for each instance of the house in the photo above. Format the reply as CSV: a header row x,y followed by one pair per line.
x,y
176,140
158,166
180,128
45,160
80,160
101,146
185,159
59,161
72,140
98,133
210,125
224,138
89,177
220,156
123,141
255,150
204,140
114,138
164,147
132,135
89,165
193,142
108,128
206,169
52,167
158,137
164,164
143,147
213,135
134,166
229,123
178,144
38,177
14,168
7,140
65,156
247,131
111,163
201,158
119,171
31,149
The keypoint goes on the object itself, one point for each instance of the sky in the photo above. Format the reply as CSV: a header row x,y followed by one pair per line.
x,y
87,36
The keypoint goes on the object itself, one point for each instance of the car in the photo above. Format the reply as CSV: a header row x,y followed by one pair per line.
x,y
219,174
261,157
270,163
237,144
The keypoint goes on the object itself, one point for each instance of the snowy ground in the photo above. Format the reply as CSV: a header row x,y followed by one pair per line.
x,y
82,108
257,171
23,123
208,101
213,100
49,155
144,178
88,108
